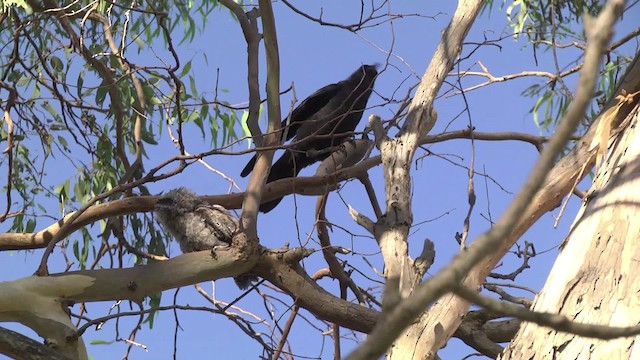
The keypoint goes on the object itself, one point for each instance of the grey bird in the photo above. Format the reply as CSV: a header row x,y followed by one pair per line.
x,y
197,225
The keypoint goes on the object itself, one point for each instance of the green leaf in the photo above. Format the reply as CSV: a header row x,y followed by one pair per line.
x,y
101,93
101,342
154,303
18,225
76,249
56,63
36,91
147,136
63,191
80,84
31,225
185,69
192,84
102,6
197,119
541,101
50,109
23,81
63,142
82,254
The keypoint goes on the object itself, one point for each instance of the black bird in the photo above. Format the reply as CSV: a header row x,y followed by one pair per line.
x,y
323,120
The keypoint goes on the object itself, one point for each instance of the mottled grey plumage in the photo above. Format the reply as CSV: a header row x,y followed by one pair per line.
x,y
197,225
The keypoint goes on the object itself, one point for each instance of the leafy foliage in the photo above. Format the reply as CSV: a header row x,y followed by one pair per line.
x,y
545,25
544,20
78,96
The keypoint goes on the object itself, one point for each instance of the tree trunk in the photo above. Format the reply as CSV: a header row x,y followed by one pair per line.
x,y
595,278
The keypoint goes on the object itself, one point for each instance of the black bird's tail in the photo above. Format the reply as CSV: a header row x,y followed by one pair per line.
x,y
249,167
289,165
290,125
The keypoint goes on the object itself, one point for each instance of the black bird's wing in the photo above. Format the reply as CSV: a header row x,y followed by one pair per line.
x,y
336,121
308,107
302,112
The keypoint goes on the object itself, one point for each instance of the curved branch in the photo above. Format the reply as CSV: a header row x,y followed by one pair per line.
x,y
309,295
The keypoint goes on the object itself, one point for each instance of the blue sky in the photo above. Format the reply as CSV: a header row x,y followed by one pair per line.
x,y
312,56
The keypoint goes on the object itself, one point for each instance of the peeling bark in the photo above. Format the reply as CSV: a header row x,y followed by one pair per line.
x,y
595,278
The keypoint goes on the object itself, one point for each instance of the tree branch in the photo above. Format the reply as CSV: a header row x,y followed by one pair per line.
x,y
255,188
488,243
18,346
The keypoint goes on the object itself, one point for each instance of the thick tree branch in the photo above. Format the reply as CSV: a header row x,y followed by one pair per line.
x,y
392,228
294,280
39,301
410,309
255,187
249,26
18,346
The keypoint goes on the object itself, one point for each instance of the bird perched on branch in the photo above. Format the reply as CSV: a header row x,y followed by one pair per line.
x,y
196,225
323,120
